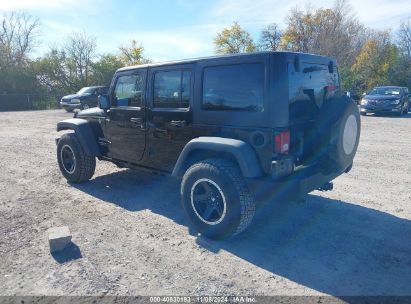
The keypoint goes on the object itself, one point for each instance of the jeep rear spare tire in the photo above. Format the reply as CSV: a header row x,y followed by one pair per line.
x,y
216,199
333,140
345,135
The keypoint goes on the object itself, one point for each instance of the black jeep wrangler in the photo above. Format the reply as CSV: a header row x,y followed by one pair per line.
x,y
237,129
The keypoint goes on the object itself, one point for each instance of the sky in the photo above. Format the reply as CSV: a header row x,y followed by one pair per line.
x,y
177,29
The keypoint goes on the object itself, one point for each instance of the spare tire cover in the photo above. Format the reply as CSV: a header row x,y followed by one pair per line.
x,y
345,128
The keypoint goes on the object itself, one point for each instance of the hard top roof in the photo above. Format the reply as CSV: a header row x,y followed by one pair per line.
x,y
193,60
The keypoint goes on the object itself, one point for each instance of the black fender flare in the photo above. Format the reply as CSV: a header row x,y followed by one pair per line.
x,y
241,151
84,133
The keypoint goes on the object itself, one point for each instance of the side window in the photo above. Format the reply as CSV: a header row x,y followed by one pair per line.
x,y
234,87
129,91
172,89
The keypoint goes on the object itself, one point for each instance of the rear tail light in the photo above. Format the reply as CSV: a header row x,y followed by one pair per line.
x,y
331,88
282,142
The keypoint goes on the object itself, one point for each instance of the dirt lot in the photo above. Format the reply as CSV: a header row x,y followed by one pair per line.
x,y
131,237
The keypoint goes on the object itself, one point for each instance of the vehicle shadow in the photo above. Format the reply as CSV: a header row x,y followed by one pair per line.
x,y
334,247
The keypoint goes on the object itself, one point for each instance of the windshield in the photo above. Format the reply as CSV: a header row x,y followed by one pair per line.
x,y
86,91
385,91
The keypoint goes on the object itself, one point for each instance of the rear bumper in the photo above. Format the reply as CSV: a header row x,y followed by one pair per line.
x,y
299,183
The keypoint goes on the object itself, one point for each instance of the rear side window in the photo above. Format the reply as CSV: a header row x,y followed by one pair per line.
x,y
234,87
172,89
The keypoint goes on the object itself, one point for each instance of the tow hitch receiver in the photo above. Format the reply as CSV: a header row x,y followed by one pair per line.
x,y
326,187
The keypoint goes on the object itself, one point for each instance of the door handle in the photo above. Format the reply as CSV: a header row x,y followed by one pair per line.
x,y
178,123
137,120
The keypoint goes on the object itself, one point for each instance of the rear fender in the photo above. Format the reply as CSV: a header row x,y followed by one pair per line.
x,y
239,150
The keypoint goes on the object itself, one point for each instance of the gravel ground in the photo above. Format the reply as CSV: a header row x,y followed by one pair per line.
x,y
131,238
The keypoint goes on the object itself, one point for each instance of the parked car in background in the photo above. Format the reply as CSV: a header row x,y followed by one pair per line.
x,y
86,98
387,99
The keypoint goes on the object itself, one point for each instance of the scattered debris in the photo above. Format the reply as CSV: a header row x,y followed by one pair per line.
x,y
59,238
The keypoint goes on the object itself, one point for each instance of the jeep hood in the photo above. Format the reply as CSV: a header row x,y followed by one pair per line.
x,y
92,112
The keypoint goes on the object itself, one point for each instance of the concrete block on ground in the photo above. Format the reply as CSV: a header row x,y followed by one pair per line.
x,y
59,238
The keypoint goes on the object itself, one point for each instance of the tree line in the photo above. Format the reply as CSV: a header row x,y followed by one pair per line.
x,y
63,69
366,57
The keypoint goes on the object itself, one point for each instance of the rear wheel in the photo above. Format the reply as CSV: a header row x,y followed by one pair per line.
x,y
216,199
75,165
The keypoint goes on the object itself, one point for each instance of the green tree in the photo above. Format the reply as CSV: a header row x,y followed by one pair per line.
x,y
234,39
373,65
55,74
400,73
68,68
132,54
105,67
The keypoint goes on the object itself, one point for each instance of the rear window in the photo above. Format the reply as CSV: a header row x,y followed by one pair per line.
x,y
309,86
234,87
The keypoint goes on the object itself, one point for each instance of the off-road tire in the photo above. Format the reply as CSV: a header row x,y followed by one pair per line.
x,y
345,135
326,138
240,205
85,165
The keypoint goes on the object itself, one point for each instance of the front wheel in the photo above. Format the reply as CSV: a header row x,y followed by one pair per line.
x,y
75,165
216,199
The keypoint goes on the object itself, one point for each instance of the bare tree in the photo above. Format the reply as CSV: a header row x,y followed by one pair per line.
x,y
80,50
270,38
332,32
18,34
404,37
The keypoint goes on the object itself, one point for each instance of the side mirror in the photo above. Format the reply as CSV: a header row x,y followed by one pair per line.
x,y
104,102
